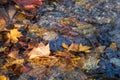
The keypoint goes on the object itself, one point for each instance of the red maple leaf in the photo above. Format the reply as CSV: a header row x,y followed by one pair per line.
x,y
28,4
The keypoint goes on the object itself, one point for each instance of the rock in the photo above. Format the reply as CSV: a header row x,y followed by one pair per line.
x,y
115,61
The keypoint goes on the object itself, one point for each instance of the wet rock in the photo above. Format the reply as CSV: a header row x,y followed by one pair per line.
x,y
91,63
49,35
115,61
85,29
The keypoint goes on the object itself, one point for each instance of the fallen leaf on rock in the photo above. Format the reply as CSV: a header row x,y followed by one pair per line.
x,y
73,47
84,48
2,77
40,51
13,36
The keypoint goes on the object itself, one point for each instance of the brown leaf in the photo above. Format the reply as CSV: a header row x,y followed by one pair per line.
x,y
84,48
41,51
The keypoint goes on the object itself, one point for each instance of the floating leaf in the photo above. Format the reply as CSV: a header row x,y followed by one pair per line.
x,y
13,35
42,50
84,48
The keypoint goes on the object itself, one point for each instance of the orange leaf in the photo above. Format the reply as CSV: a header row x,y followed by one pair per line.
x,y
84,48
73,47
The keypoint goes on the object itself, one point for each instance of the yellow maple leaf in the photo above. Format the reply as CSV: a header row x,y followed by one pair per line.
x,y
84,48
13,35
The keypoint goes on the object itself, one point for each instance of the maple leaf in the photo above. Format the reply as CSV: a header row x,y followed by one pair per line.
x,y
41,51
13,35
28,4
73,47
84,48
